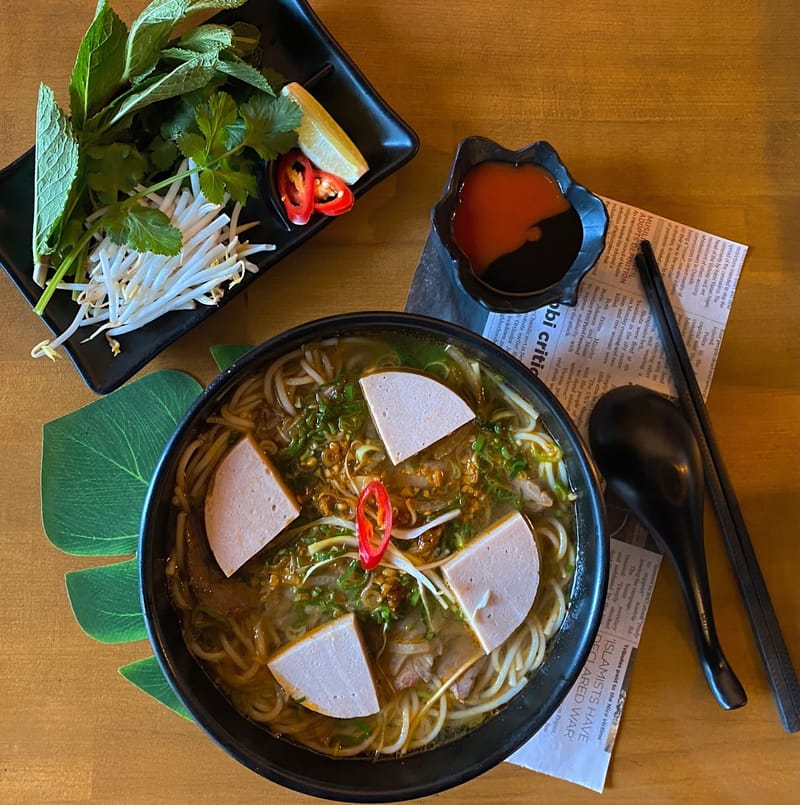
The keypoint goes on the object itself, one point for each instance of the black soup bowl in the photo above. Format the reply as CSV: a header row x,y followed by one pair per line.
x,y
422,772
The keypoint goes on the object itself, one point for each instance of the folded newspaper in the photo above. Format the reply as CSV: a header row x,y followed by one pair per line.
x,y
608,339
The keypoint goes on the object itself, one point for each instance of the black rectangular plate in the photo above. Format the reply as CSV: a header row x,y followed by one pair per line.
x,y
296,44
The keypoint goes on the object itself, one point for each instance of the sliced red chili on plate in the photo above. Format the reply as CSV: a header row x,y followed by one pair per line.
x,y
371,552
296,186
331,195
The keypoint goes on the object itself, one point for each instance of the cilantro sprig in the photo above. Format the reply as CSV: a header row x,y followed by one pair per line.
x,y
140,101
266,126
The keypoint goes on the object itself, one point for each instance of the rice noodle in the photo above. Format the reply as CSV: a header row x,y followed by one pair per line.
x,y
410,718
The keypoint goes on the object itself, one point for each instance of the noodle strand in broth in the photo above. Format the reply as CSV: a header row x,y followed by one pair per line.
x,y
307,412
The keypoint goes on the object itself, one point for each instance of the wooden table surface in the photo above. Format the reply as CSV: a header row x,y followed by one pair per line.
x,y
689,110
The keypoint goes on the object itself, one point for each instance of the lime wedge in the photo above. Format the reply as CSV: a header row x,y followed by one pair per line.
x,y
323,140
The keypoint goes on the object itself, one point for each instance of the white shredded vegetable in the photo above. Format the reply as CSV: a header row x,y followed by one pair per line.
x,y
125,289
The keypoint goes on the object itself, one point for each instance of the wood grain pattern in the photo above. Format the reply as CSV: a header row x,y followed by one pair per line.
x,y
688,110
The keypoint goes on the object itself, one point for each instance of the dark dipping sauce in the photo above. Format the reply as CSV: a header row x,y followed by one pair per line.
x,y
515,226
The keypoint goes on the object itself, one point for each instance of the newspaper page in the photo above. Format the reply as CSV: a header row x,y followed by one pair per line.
x,y
576,742
610,339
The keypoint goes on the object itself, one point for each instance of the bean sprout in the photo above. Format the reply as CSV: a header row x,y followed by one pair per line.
x,y
125,290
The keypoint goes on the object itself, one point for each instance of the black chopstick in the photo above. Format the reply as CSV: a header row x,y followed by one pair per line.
x,y
764,622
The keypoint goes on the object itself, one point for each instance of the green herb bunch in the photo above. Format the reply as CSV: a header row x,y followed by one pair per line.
x,y
141,100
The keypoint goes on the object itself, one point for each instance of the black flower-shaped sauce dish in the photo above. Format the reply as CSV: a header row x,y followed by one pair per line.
x,y
517,231
296,44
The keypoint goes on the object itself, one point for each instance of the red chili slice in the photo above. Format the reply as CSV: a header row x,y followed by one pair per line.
x,y
296,186
369,553
331,195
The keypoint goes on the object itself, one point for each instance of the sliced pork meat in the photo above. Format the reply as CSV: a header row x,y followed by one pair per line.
x,y
534,498
407,670
224,595
409,655
458,648
464,684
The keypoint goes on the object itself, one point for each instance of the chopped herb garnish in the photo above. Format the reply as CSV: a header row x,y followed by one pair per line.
x,y
362,728
382,614
354,577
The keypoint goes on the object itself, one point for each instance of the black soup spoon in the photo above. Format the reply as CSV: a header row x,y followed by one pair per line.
x,y
648,454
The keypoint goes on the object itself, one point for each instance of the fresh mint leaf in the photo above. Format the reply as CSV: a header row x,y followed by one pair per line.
x,y
97,463
149,33
182,54
195,6
270,125
207,38
144,229
99,65
152,29
184,77
55,169
113,169
233,66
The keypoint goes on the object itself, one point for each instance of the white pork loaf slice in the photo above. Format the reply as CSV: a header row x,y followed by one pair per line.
x,y
247,506
495,578
328,671
412,411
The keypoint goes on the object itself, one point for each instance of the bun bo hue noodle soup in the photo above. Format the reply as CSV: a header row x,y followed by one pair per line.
x,y
326,635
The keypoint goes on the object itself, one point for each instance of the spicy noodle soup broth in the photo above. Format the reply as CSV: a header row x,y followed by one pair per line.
x,y
433,676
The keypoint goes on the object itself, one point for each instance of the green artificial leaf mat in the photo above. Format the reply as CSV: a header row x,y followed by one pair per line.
x,y
226,354
96,467
98,461
147,675
120,619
